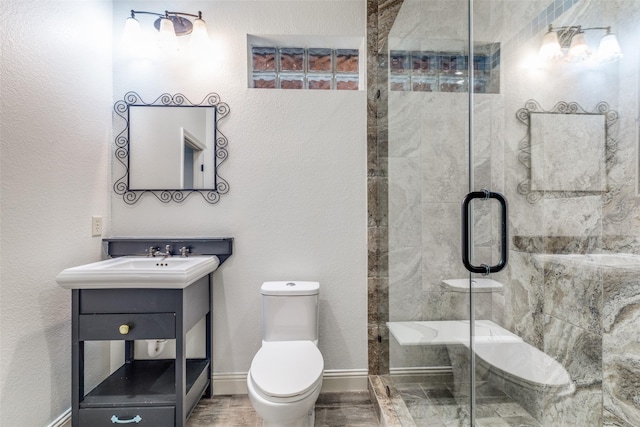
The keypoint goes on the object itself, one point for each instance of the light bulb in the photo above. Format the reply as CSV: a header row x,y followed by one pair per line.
x,y
550,48
579,49
167,36
609,49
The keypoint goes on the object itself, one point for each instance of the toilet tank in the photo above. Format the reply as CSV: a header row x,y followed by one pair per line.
x,y
290,311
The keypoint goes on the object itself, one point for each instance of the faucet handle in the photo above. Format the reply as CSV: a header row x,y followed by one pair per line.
x,y
184,251
167,250
151,251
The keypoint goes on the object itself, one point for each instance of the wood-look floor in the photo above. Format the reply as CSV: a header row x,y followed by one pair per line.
x,y
353,409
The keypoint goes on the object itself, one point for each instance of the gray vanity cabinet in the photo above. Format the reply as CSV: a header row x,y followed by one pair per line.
x,y
155,393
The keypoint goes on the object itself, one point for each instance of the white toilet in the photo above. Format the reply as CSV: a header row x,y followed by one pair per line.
x,y
285,377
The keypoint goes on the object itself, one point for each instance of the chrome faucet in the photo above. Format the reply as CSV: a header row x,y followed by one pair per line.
x,y
154,252
184,251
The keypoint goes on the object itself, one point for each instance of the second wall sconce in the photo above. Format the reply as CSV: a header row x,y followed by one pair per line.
x,y
170,26
573,40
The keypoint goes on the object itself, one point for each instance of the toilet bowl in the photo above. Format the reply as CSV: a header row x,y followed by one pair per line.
x,y
284,382
285,376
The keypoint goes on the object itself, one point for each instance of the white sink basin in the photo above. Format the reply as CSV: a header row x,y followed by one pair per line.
x,y
138,272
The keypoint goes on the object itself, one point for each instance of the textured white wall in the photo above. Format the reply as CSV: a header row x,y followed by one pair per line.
x,y
296,169
55,133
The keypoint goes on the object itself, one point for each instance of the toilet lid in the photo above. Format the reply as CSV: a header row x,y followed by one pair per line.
x,y
286,368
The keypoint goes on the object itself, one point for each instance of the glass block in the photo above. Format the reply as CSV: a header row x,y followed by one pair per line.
x,y
264,81
453,84
480,85
264,58
398,62
348,82
347,60
319,60
319,81
453,63
481,63
291,59
399,83
291,81
424,83
424,62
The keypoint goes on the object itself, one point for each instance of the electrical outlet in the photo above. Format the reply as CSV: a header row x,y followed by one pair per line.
x,y
96,226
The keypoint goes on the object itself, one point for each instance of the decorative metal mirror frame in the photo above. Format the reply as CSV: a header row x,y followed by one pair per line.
x,y
132,99
524,157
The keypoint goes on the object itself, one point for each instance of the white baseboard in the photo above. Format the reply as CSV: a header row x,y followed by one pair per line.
x,y
62,420
337,380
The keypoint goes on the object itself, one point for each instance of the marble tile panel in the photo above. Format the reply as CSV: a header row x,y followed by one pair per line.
x,y
578,163
441,250
621,344
583,408
445,306
523,421
405,284
404,125
523,292
573,293
405,207
444,152
578,351
577,216
610,420
525,218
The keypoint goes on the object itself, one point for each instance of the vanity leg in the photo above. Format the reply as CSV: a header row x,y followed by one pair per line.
x,y
181,363
77,360
208,392
129,351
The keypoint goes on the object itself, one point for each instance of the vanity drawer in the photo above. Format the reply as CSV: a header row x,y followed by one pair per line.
x,y
152,416
126,326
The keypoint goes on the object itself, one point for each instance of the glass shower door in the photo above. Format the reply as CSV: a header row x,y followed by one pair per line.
x,y
428,173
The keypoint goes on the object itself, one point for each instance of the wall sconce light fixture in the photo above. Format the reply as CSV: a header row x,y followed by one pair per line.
x,y
573,40
170,26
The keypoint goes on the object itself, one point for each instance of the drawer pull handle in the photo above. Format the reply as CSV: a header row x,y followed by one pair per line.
x,y
124,329
116,420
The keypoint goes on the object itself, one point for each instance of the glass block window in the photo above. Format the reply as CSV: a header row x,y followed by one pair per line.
x,y
430,71
314,68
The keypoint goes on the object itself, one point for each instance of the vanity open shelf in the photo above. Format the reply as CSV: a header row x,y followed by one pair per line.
x,y
157,392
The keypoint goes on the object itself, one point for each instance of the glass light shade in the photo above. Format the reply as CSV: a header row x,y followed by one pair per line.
x,y
132,34
609,49
199,36
550,48
579,49
167,36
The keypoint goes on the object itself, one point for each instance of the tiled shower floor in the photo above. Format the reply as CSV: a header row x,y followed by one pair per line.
x,y
433,404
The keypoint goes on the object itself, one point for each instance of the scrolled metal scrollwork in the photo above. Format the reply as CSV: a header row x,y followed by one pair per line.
x,y
122,148
524,156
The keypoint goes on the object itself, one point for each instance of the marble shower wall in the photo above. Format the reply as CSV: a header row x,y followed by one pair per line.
x,y
557,302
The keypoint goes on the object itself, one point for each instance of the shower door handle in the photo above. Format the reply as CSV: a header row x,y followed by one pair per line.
x,y
466,230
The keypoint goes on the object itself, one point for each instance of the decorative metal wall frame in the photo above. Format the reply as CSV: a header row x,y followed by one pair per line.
x,y
524,157
122,149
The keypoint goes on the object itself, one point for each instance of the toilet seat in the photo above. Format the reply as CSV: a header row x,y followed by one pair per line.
x,y
287,370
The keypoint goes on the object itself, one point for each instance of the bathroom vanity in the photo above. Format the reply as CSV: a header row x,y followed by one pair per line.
x,y
136,298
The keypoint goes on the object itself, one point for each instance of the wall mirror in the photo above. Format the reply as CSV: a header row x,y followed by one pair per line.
x,y
171,148
567,150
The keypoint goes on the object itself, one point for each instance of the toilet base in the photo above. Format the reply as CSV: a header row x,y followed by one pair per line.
x,y
307,421
300,413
